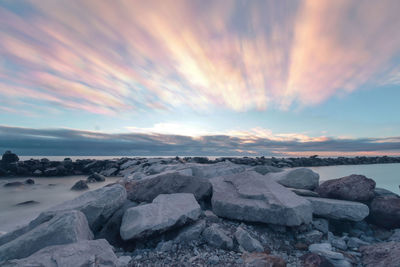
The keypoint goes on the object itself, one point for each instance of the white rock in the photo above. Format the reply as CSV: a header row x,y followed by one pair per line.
x,y
164,213
250,196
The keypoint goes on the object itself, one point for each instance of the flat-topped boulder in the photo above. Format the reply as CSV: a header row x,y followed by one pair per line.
x,y
301,178
98,205
169,183
46,230
164,213
250,196
214,170
338,209
83,253
354,188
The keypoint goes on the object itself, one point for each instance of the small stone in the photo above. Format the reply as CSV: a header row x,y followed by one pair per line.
x,y
354,243
80,185
247,242
216,237
213,260
321,225
339,243
29,181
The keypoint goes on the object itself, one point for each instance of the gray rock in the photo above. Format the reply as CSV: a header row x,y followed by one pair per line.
x,y
325,249
80,185
381,192
247,242
300,178
190,232
98,205
249,196
339,243
83,253
264,169
355,243
147,189
46,230
395,236
213,260
123,261
338,209
109,172
211,217
310,237
381,255
164,213
165,246
128,164
215,170
321,225
95,177
217,237
304,192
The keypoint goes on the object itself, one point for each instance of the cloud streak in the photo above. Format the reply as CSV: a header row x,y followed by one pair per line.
x,y
108,57
26,141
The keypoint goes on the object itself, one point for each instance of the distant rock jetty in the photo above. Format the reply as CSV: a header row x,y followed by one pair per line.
x,y
10,165
179,212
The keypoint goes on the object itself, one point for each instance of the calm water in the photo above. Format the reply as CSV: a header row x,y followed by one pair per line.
x,y
52,191
385,175
47,191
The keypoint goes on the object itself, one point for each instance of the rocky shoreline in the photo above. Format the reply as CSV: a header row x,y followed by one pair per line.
x,y
179,212
10,165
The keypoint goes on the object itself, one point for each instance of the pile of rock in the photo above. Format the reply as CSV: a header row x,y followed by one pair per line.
x,y
197,214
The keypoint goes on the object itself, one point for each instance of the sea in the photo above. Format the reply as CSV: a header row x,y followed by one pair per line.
x,y
50,191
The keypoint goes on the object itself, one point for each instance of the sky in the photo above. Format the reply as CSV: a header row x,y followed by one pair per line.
x,y
200,77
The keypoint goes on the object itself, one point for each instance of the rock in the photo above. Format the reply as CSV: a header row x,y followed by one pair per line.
x,y
252,197
353,188
395,236
381,192
95,177
37,173
124,261
80,185
304,192
325,250
129,164
98,205
301,178
355,243
46,230
339,243
315,260
109,172
82,253
147,189
381,254
338,209
50,172
321,225
213,260
264,169
9,157
247,242
29,202
190,232
257,259
310,237
165,246
164,213
385,212
110,230
215,170
29,181
13,184
211,217
217,237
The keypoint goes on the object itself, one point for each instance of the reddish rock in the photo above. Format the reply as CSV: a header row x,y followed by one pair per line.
x,y
354,188
381,254
262,260
385,212
314,260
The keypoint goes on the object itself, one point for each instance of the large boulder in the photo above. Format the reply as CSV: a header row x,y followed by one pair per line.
x,y
83,253
9,157
46,230
148,189
385,211
354,188
301,178
98,205
338,209
214,170
249,196
164,213
381,254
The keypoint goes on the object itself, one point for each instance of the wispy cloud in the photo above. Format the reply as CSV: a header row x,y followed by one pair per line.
x,y
28,141
111,56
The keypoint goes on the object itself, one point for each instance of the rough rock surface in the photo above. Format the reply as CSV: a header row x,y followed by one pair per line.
x,y
263,169
385,211
46,230
217,237
301,178
98,205
217,169
315,260
164,213
95,177
247,242
147,189
263,259
190,232
338,209
354,188
83,253
250,196
80,185
9,157
381,254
